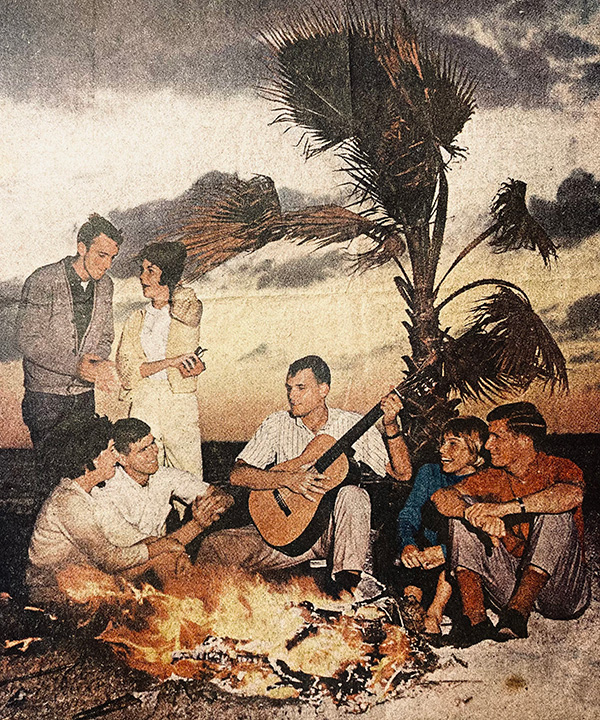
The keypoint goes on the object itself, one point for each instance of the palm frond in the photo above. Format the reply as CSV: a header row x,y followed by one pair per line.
x,y
388,246
516,228
236,216
244,215
505,349
358,78
324,224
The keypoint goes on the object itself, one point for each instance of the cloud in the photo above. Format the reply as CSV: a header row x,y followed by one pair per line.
x,y
589,82
64,52
575,214
299,272
586,357
583,317
258,352
563,46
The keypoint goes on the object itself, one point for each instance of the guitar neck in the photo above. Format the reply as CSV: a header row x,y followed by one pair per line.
x,y
349,438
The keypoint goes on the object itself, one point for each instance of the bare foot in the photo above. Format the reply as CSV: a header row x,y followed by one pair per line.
x,y
432,624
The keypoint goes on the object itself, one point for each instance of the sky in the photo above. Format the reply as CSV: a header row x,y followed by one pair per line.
x,y
120,108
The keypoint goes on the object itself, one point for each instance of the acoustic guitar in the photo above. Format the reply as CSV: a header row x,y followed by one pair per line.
x,y
287,520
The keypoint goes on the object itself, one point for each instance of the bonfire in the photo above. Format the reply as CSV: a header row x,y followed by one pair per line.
x,y
250,637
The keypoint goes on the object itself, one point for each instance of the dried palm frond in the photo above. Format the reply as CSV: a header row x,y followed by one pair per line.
x,y
505,349
357,78
388,246
325,224
516,228
236,216
244,215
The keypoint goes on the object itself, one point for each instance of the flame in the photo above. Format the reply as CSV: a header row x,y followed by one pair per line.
x,y
23,642
248,636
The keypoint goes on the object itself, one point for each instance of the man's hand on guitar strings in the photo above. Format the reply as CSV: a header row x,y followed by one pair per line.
x,y
307,482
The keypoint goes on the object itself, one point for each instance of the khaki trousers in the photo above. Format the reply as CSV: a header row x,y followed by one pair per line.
x,y
345,542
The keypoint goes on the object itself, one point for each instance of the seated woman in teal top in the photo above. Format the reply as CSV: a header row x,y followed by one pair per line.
x,y
420,540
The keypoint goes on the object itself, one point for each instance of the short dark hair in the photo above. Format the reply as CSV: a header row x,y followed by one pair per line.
x,y
319,367
97,225
169,257
522,418
128,431
74,445
475,433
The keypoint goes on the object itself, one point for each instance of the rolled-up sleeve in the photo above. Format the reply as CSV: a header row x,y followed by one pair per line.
x,y
83,530
186,485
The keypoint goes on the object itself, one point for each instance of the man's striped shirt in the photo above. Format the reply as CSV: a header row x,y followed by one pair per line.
x,y
282,437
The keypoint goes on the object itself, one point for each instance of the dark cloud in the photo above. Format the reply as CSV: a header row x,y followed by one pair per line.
x,y
526,10
10,292
589,82
586,357
258,352
515,76
61,49
65,51
563,46
575,214
300,272
583,317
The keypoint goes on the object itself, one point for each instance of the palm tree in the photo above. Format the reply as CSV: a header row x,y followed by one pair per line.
x,y
359,80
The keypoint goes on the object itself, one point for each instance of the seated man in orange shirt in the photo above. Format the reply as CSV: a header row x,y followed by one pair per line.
x,y
523,536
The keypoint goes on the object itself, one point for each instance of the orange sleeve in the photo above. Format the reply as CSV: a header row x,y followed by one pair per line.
x,y
567,472
473,484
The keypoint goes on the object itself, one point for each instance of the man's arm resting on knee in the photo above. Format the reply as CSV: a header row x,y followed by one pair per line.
x,y
559,498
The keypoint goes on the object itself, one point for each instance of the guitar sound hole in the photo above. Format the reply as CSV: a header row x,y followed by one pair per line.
x,y
282,503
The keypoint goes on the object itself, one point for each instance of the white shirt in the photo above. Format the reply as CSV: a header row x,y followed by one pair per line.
x,y
282,437
155,333
67,532
130,512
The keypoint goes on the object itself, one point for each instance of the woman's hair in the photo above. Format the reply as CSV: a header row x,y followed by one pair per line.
x,y
74,445
474,432
169,257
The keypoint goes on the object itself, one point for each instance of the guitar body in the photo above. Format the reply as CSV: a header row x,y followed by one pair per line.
x,y
288,521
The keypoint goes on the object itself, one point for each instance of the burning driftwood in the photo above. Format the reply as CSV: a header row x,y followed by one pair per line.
x,y
252,638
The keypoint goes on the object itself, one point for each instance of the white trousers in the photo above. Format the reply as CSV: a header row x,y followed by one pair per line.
x,y
173,419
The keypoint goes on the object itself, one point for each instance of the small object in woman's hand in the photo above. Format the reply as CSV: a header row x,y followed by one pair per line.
x,y
197,368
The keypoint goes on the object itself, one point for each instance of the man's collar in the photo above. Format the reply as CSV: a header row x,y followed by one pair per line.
x,y
124,474
300,422
72,274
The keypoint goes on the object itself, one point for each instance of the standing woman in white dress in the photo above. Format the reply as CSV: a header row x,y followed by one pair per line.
x,y
156,357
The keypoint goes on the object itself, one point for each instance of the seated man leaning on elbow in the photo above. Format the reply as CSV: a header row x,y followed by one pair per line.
x,y
516,531
135,502
67,532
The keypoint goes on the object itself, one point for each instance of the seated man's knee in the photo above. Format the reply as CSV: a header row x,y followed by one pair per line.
x,y
354,497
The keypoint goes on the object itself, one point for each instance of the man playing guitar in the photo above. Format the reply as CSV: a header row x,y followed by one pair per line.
x,y
279,440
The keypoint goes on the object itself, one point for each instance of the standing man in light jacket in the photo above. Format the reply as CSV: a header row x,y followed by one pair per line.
x,y
65,332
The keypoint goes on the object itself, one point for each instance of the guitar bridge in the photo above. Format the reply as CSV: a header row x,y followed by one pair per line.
x,y
282,503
